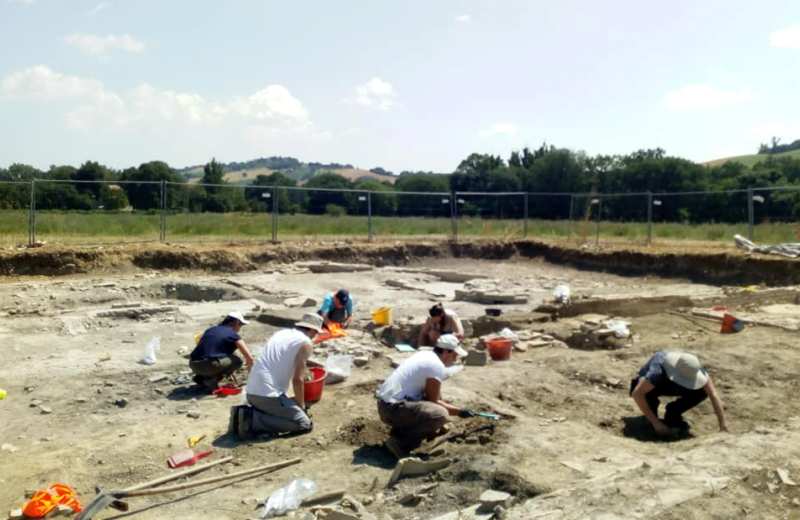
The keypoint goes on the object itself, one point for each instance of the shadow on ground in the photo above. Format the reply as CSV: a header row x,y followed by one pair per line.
x,y
639,428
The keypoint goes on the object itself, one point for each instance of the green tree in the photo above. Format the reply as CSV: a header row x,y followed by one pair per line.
x,y
317,200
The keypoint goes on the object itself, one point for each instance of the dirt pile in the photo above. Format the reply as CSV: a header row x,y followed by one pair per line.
x,y
694,264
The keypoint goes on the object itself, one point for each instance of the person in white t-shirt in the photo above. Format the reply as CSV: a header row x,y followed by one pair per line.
x,y
441,321
410,400
280,364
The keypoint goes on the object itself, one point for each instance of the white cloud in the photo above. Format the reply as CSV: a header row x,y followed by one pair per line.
x,y
786,38
23,2
463,18
42,83
376,93
501,129
704,97
100,45
766,130
93,105
99,7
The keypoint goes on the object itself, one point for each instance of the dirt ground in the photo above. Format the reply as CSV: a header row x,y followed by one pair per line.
x,y
571,444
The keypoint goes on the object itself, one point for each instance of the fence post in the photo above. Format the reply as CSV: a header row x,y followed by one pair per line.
x,y
597,222
454,215
275,214
32,215
569,220
649,217
525,222
369,216
163,225
750,213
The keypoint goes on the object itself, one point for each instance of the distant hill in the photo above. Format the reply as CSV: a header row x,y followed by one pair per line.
x,y
246,172
750,160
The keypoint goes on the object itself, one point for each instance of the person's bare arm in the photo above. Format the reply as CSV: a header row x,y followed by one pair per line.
x,y
433,389
423,333
248,357
299,377
642,388
719,410
459,328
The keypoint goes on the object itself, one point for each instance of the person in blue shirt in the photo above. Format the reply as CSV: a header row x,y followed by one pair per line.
x,y
213,358
674,374
337,308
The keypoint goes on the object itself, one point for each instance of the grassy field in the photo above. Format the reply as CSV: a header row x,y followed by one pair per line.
x,y
750,160
96,228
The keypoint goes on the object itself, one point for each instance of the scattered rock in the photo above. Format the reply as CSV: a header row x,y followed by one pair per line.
x,y
193,415
157,378
46,410
333,267
475,358
492,498
35,403
300,301
182,351
15,514
414,467
9,448
121,402
783,475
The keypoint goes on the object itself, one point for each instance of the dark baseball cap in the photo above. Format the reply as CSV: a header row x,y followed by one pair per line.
x,y
343,295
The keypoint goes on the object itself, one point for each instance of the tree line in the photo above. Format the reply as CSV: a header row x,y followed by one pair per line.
x,y
545,170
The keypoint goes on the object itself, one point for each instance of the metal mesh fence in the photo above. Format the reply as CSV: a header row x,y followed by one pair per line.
x,y
97,212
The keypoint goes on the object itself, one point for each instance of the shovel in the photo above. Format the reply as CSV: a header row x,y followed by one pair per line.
x,y
112,498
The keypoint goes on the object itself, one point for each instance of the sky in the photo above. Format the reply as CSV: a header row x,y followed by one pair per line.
x,y
412,85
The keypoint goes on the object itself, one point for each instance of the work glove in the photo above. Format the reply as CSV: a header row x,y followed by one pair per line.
x,y
464,413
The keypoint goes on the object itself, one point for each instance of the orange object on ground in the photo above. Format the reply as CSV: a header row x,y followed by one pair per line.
x,y
313,388
226,390
499,348
332,331
730,324
45,500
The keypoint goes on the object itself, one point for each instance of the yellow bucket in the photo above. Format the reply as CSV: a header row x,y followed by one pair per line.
x,y
382,316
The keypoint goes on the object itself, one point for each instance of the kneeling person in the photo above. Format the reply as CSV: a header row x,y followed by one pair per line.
x,y
410,400
674,374
281,363
213,358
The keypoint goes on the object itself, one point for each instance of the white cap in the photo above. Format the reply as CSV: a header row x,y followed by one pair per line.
x,y
450,342
238,316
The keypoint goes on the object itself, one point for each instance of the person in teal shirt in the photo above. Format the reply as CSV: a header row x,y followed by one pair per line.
x,y
337,308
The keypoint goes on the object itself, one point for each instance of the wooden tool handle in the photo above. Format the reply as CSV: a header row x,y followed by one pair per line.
x,y
212,480
323,499
176,476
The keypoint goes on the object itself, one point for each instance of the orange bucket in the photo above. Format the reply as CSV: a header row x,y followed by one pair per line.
x,y
313,388
499,348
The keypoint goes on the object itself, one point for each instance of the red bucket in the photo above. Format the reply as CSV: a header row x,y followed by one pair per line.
x,y
313,388
499,348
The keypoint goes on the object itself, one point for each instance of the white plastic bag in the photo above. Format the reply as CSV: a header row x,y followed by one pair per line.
x,y
150,350
289,497
561,293
338,368
509,334
619,327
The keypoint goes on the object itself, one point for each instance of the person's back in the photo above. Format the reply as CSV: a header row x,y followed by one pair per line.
x,y
216,342
272,372
407,382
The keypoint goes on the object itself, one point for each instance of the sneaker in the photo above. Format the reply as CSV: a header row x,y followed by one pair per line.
x,y
244,426
393,445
